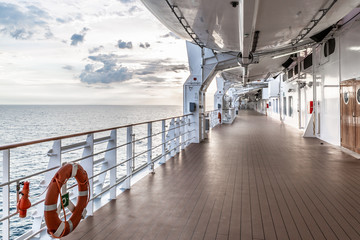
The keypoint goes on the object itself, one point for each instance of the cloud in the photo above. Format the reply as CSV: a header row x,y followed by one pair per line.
x,y
20,33
134,9
108,73
68,67
152,79
109,68
160,66
121,44
126,1
144,45
23,23
96,49
78,37
170,35
63,20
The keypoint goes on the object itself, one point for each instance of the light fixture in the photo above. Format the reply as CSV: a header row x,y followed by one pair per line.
x,y
287,54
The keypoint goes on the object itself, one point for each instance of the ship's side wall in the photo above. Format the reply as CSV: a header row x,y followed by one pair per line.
x,y
343,64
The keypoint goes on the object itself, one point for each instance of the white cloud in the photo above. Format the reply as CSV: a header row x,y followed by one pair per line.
x,y
108,73
23,22
78,37
51,70
121,44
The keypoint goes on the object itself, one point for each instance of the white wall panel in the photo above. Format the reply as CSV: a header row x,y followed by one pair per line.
x,y
350,52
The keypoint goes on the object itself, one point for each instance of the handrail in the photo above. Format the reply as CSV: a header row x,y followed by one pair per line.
x,y
212,111
16,145
176,135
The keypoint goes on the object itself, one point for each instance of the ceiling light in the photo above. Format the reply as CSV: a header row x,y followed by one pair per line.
x,y
287,54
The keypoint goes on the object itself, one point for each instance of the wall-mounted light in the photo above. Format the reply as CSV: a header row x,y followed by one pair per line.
x,y
287,54
234,4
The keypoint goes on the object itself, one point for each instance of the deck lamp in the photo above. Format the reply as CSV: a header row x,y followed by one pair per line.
x,y
287,54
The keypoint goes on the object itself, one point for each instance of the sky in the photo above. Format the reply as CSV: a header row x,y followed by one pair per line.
x,y
88,52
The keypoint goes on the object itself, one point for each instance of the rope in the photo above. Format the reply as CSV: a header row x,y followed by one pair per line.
x,y
62,206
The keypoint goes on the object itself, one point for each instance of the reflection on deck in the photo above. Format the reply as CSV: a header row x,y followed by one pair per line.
x,y
254,179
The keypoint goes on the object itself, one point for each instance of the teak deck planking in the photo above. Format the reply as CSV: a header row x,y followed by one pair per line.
x,y
254,179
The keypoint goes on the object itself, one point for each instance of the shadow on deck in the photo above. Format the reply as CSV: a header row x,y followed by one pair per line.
x,y
254,179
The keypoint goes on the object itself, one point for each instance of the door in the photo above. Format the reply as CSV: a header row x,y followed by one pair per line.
x,y
347,99
357,117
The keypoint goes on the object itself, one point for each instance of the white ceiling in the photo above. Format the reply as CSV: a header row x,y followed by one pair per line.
x,y
221,27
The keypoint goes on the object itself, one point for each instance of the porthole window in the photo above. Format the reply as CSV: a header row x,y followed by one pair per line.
x,y
346,97
358,96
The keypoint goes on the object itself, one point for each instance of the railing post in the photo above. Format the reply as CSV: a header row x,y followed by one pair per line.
x,y
177,135
172,139
54,161
6,194
129,156
193,129
88,165
163,146
110,157
149,148
133,152
186,131
109,161
182,133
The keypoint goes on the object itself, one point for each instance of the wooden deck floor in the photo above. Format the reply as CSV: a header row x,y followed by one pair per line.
x,y
254,179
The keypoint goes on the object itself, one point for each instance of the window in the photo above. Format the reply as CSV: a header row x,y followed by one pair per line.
x,y
329,47
290,106
284,106
358,96
296,69
274,106
308,61
290,73
277,105
346,97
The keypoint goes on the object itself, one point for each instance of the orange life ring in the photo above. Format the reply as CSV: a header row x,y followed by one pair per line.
x,y
55,226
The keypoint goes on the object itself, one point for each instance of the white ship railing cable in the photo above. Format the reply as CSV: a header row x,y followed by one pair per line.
x,y
175,136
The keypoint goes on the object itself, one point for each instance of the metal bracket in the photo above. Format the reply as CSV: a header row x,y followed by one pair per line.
x,y
185,24
313,22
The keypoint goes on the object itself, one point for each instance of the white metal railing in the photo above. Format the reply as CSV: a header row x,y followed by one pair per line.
x,y
213,118
229,115
111,157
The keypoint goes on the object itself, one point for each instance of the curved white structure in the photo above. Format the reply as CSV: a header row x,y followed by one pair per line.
x,y
227,26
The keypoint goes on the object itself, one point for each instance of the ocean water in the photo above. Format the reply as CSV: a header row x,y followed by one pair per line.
x,y
27,123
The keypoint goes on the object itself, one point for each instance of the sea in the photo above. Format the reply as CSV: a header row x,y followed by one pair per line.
x,y
22,123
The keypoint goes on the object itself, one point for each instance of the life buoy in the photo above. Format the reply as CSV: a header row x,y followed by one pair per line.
x,y
219,117
55,226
